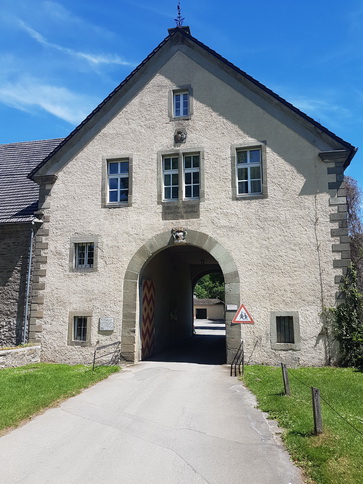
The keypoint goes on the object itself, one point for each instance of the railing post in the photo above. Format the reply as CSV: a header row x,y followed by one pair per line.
x,y
285,377
318,421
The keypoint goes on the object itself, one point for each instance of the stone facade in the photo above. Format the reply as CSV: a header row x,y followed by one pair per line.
x,y
14,262
19,357
282,252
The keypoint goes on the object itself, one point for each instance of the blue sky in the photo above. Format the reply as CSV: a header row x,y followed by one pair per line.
x,y
60,59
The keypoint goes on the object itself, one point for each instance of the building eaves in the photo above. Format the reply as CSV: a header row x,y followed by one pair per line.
x,y
184,32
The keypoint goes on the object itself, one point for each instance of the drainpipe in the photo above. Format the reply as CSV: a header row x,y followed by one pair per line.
x,y
27,287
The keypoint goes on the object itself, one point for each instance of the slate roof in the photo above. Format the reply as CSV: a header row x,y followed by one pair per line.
x,y
185,32
18,194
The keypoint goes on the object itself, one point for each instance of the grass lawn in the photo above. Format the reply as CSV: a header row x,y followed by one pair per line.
x,y
335,456
26,390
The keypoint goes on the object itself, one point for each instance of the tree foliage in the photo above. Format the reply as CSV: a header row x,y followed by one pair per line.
x,y
348,321
355,226
210,286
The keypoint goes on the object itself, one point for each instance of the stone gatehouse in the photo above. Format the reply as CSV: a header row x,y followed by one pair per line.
x,y
189,166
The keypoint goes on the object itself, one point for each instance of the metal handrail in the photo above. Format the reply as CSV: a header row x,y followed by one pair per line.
x,y
99,348
238,361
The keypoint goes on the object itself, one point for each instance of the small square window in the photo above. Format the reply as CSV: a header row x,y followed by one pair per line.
x,y
285,330
84,255
79,328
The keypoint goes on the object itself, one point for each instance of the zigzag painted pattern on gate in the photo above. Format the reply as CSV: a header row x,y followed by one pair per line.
x,y
148,328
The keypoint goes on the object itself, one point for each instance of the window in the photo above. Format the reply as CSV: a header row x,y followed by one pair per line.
x,y
171,177
285,330
84,255
181,104
79,328
118,181
249,172
181,176
191,176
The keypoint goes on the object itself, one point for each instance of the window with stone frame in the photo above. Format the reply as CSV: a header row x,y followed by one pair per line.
x,y
285,330
79,328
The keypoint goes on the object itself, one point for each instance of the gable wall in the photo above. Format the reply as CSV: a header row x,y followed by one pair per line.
x,y
277,242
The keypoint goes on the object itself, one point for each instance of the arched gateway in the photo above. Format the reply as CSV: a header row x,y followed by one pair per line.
x,y
168,250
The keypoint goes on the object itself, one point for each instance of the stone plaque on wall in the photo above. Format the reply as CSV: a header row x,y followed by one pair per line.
x,y
183,210
106,324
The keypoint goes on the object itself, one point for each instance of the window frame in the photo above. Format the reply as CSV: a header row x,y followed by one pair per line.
x,y
106,160
83,239
71,328
296,345
235,148
185,89
180,154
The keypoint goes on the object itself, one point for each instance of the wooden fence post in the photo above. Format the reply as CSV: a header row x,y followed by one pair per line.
x,y
285,376
318,421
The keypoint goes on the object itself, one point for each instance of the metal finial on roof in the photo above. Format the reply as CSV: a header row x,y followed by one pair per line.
x,y
179,19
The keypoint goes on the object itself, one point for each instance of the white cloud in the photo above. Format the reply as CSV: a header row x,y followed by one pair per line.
x,y
29,93
94,59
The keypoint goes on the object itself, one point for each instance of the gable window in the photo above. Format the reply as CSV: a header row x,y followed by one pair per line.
x,y
79,328
118,181
249,172
181,104
181,176
285,330
84,255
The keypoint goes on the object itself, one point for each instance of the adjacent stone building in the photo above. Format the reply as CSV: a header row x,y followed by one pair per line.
x,y
18,223
189,166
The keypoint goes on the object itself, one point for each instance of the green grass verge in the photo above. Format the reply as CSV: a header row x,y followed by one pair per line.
x,y
335,456
29,389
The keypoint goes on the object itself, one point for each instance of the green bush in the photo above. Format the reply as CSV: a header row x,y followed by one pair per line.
x,y
348,321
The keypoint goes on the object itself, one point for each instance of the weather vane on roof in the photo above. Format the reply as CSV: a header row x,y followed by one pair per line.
x,y
179,19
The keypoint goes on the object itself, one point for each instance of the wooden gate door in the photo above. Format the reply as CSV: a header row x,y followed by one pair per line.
x,y
147,326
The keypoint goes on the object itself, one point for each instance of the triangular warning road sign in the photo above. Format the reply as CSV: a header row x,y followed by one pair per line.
x,y
242,316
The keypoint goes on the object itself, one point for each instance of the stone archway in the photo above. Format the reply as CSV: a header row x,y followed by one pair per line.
x,y
130,311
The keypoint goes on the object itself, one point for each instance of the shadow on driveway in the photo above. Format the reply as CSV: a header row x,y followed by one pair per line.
x,y
200,349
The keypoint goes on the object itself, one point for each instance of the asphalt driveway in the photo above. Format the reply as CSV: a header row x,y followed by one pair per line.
x,y
177,419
